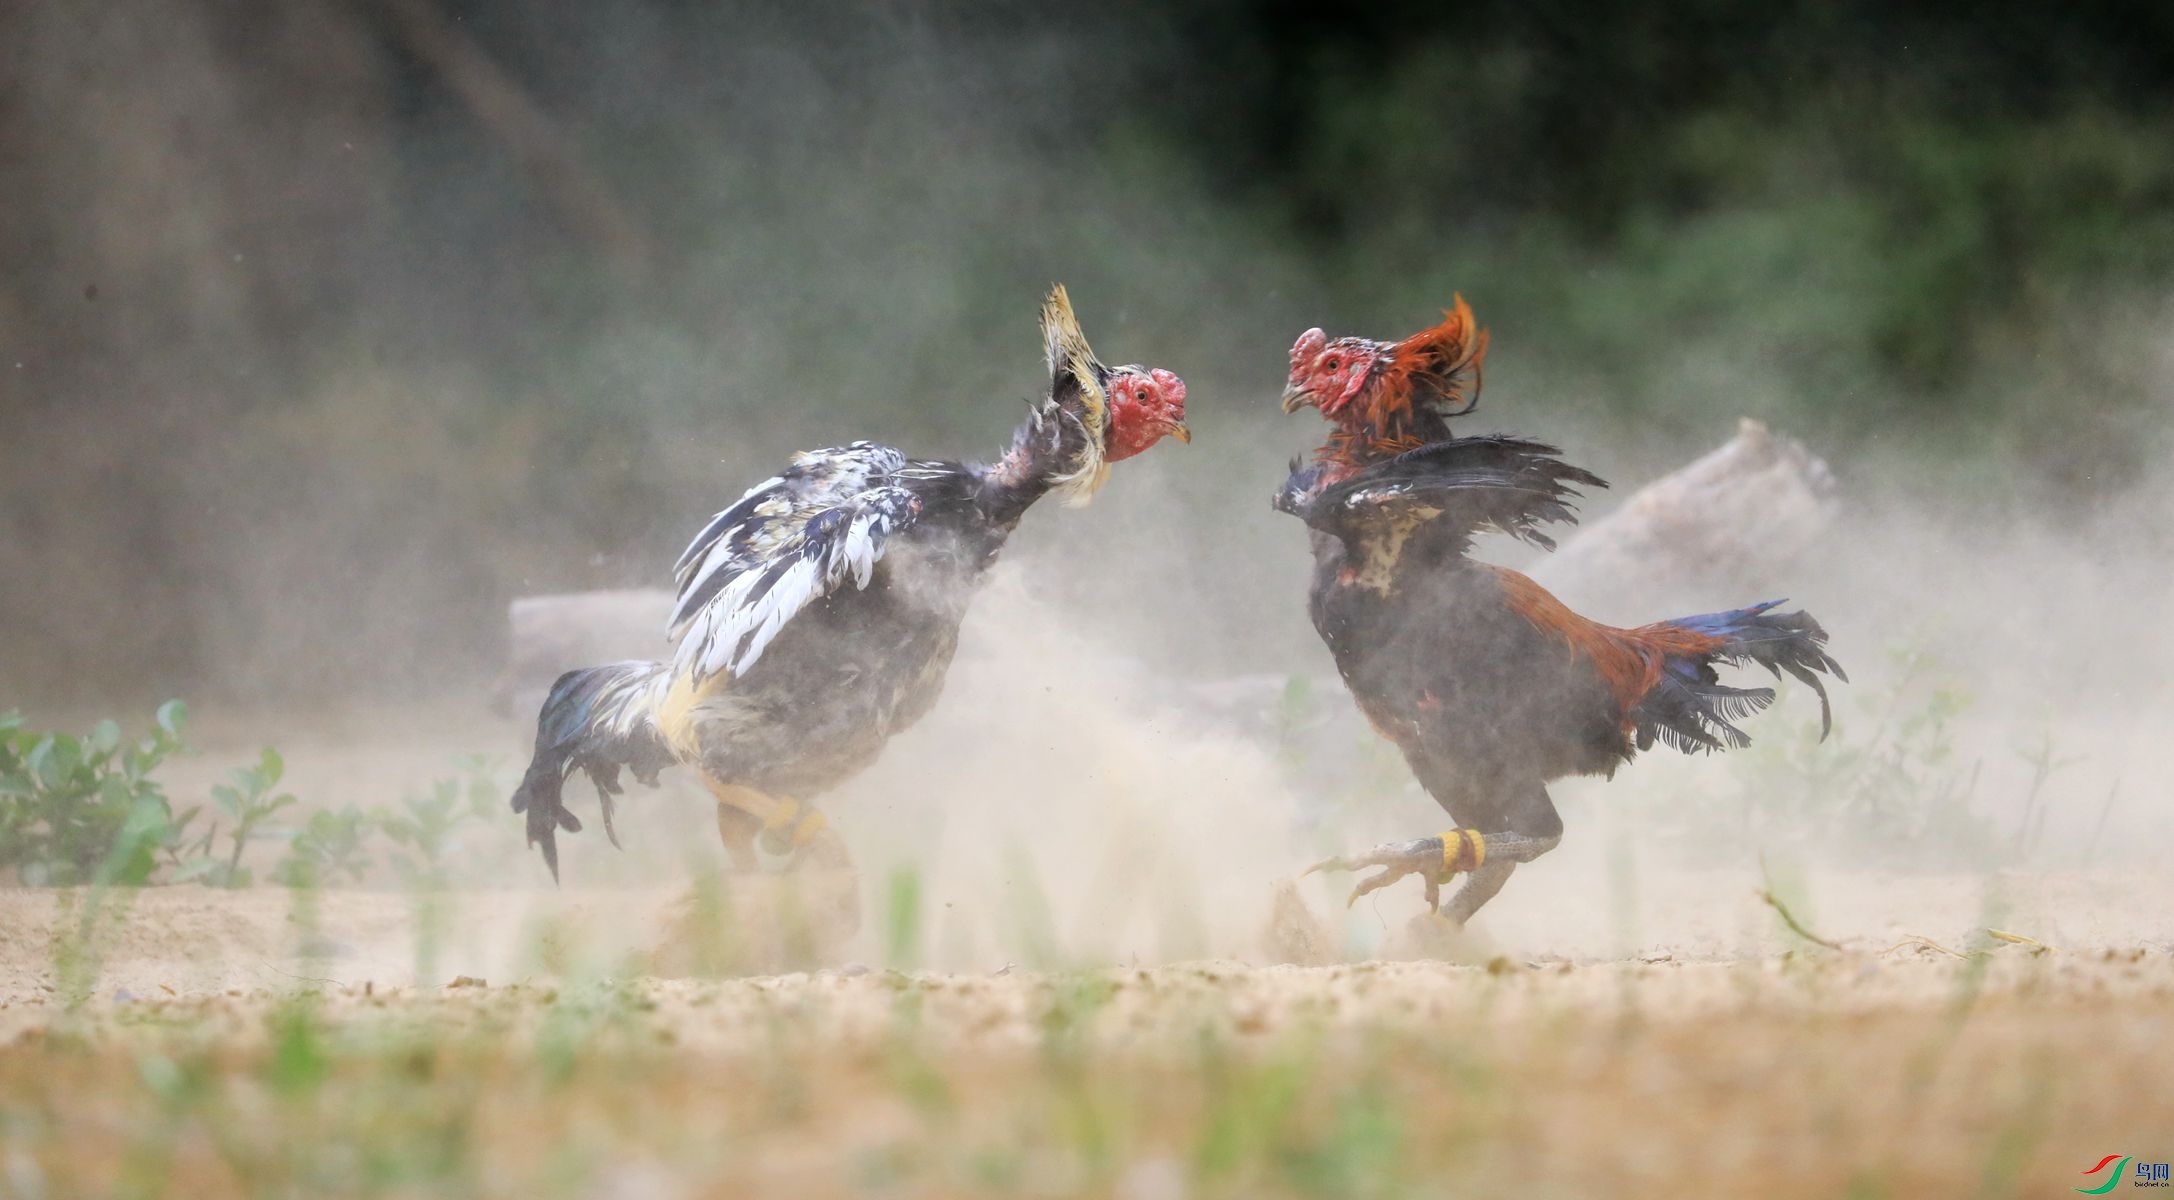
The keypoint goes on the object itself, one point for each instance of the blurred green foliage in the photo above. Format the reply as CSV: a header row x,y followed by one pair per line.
x,y
245,803
428,823
330,848
77,810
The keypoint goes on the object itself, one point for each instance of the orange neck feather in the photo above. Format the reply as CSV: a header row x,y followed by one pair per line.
x,y
1388,417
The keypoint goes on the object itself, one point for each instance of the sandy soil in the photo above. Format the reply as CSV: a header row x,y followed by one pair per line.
x,y
190,940
1896,1067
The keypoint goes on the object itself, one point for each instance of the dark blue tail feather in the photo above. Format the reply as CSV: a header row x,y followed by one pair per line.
x,y
1692,710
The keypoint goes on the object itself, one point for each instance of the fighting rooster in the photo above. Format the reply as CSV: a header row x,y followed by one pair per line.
x,y
1490,686
818,614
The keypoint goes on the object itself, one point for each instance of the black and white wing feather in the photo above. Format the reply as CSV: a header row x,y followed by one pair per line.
x,y
788,542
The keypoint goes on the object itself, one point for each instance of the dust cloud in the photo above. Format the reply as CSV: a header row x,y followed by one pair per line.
x,y
301,396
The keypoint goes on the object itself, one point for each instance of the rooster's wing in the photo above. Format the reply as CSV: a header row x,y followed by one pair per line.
x,y
788,542
1454,488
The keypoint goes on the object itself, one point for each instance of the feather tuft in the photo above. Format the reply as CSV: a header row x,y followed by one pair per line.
x,y
1076,392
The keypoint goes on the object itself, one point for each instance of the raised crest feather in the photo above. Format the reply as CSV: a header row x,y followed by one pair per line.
x,y
1076,390
1439,367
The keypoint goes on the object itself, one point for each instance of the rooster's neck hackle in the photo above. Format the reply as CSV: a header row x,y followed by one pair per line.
x,y
1078,409
1412,392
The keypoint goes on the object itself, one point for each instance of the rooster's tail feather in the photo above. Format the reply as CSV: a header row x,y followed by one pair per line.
x,y
1691,710
596,720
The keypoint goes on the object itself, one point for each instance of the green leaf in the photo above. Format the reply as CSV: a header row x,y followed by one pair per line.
x,y
271,766
35,761
170,717
115,791
65,758
131,861
105,737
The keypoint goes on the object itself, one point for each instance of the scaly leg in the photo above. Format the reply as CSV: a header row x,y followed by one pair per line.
x,y
1479,887
1489,858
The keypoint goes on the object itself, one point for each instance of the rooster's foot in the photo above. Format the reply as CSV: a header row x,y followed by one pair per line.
x,y
1433,859
792,827
789,831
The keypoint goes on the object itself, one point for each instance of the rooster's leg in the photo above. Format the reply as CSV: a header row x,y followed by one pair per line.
x,y
737,827
1488,858
747,819
1479,887
1532,829
783,825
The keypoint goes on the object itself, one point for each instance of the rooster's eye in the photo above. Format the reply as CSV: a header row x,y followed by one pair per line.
x,y
1333,365
1140,395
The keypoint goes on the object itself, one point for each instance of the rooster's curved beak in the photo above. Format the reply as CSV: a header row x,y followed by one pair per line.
x,y
1296,397
1182,432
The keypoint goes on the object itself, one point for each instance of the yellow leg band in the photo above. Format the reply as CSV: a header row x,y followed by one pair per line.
x,y
811,826
1457,844
782,817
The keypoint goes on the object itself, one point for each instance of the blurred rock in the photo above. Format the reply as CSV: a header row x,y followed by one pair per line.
x,y
1708,534
550,635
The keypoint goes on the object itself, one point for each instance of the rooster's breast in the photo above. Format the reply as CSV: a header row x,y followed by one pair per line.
x,y
1440,664
841,678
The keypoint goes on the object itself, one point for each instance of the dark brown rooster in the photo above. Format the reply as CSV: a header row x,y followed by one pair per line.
x,y
1490,686
818,614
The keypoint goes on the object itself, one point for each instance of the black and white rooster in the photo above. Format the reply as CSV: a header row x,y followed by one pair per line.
x,y
818,614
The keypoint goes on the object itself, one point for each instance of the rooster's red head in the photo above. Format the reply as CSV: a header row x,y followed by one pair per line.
x,y
1331,375
1387,397
1119,411
1146,406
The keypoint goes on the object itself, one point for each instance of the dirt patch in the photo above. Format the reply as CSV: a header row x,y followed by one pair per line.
x,y
221,1051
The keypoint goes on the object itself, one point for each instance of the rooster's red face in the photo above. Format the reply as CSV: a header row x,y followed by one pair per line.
x,y
1330,375
1145,407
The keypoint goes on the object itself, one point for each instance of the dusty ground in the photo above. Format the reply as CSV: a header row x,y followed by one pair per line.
x,y
1104,997
225,1042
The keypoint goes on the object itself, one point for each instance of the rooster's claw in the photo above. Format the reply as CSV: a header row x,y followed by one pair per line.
x,y
1422,857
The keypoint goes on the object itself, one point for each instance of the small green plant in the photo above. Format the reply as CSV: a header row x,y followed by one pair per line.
x,y
428,828
428,823
329,848
247,803
66,801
